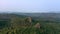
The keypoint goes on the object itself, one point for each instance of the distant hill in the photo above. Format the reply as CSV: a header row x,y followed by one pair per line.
x,y
43,16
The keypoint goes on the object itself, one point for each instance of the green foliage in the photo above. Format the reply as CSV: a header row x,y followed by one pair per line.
x,y
18,25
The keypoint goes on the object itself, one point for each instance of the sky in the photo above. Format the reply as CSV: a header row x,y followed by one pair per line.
x,y
29,5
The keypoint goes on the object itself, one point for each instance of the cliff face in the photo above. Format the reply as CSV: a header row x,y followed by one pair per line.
x,y
37,25
29,19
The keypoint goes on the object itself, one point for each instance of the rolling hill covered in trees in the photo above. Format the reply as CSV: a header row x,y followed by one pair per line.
x,y
30,23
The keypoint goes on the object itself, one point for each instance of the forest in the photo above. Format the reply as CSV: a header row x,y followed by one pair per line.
x,y
29,24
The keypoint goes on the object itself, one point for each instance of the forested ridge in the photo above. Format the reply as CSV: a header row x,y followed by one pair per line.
x,y
22,24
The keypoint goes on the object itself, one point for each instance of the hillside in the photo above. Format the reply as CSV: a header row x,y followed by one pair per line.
x,y
38,23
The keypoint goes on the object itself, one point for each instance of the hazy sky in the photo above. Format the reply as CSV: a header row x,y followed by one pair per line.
x,y
30,5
